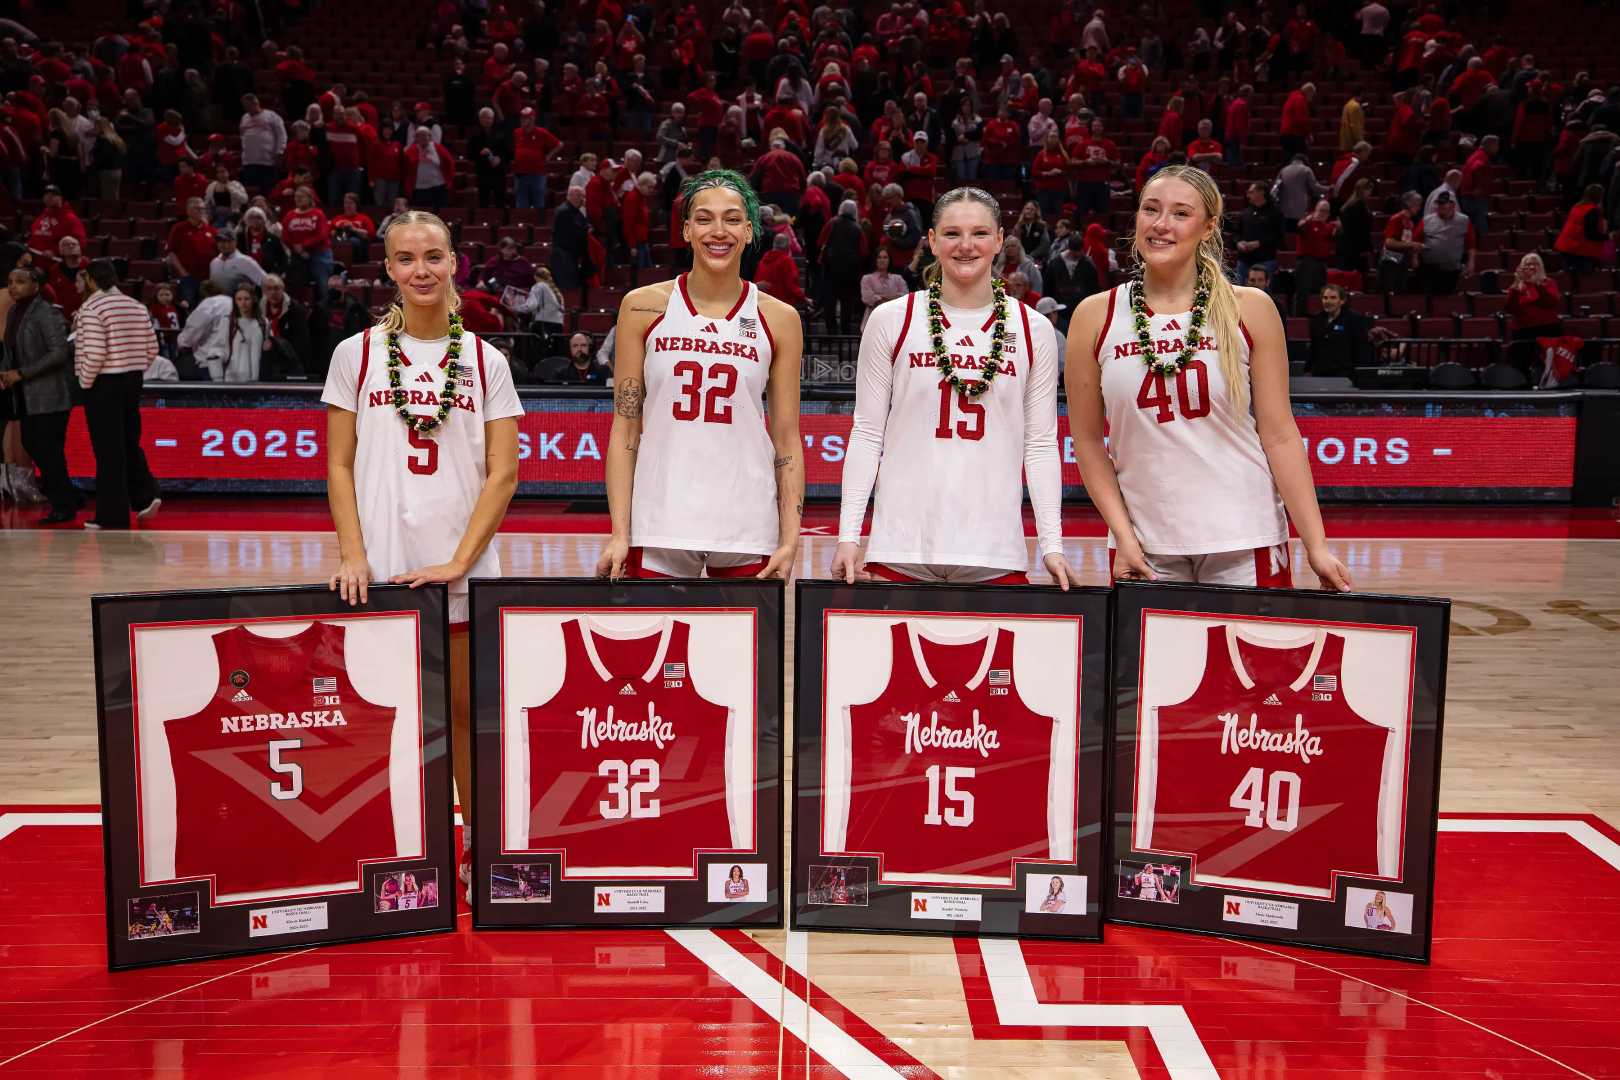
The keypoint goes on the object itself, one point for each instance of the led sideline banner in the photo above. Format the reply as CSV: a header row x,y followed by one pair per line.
x,y
1370,448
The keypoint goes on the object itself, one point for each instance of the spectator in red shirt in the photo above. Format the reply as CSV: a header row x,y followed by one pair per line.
x,y
1133,80
883,169
1534,308
1158,154
171,143
1478,182
999,146
55,221
1582,239
308,237
635,217
779,176
533,147
778,274
1092,163
1049,176
918,168
430,170
709,108
1316,233
1405,130
1236,132
1467,89
1170,122
191,249
1296,120
347,140
1204,151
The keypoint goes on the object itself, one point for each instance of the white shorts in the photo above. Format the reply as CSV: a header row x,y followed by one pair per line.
x,y
681,563
941,575
1266,567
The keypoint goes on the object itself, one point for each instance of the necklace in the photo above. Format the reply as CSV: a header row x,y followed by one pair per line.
x,y
998,333
1168,365
426,425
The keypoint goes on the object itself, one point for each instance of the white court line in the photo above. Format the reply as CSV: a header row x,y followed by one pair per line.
x,y
1579,831
10,823
836,1046
1016,1006
151,1001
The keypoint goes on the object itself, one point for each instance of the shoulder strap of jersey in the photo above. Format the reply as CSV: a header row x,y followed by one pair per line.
x,y
483,383
1029,339
1108,323
365,361
900,338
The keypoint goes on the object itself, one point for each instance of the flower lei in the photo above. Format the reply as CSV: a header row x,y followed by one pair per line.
x,y
1169,365
426,425
998,333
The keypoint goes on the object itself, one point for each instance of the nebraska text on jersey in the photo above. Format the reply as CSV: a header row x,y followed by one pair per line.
x,y
1235,739
978,737
274,721
1161,345
594,732
964,363
705,345
424,398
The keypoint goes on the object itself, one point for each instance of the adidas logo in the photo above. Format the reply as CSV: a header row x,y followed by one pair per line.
x,y
1172,325
952,696
710,329
241,695
424,377
628,691
967,339
1272,700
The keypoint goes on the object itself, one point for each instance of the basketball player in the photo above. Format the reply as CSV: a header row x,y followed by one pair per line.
x,y
954,458
840,889
1055,900
736,884
1377,915
1202,453
1147,884
416,503
696,481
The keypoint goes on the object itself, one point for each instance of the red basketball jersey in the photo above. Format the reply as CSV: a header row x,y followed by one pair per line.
x,y
949,769
627,762
1265,773
281,781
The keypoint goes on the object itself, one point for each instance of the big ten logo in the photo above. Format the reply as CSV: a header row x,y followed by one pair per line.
x,y
919,904
328,699
998,691
604,899
260,922
1234,907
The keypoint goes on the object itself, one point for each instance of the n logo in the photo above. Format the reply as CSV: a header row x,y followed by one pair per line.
x,y
261,922
1234,907
604,900
710,329
919,903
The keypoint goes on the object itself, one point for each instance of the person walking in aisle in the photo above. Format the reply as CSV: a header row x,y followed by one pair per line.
x,y
113,346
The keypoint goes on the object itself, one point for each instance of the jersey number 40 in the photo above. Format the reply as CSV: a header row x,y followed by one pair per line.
x,y
1155,393
1274,807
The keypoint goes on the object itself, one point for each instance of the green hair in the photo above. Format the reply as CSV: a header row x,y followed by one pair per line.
x,y
724,178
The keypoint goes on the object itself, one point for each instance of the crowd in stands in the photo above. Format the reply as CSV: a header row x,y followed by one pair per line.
x,y
242,188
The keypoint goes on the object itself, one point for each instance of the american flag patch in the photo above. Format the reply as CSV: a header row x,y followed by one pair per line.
x,y
1326,683
746,322
674,671
1000,676
326,685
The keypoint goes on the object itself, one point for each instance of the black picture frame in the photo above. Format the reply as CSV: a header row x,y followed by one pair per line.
x,y
1206,906
574,902
244,926
893,906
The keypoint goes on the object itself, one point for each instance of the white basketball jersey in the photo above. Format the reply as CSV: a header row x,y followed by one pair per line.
x,y
704,475
1192,471
416,493
950,483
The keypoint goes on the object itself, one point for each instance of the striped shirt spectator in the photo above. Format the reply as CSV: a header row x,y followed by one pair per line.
x,y
113,336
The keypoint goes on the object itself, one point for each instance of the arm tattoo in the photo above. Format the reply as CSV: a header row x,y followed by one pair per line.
x,y
649,310
627,398
781,461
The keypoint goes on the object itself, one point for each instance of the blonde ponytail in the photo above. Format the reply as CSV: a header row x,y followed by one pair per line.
x,y
1223,316
392,320
932,273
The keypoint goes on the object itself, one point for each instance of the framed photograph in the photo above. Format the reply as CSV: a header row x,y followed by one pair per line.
x,y
274,765
949,759
627,766
1276,764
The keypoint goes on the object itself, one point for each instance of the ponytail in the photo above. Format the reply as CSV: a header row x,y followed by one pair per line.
x,y
932,274
393,317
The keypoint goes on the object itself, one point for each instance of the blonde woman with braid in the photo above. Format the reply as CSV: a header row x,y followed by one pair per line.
x,y
955,409
422,451
1188,376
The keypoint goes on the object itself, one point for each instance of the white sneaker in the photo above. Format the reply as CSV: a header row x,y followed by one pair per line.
x,y
91,525
148,510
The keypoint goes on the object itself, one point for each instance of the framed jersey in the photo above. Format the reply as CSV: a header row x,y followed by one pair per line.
x,y
273,766
949,759
1276,757
627,753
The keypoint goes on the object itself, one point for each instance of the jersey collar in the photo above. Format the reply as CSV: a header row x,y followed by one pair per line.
x,y
915,634
590,629
1316,639
692,308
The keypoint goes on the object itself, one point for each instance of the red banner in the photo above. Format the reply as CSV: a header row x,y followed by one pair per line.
x,y
566,447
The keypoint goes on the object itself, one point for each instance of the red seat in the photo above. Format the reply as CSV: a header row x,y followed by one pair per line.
x,y
1480,327
1448,305
1409,305
1487,303
1431,326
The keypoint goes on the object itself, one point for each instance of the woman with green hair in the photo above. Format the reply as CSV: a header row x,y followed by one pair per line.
x,y
701,478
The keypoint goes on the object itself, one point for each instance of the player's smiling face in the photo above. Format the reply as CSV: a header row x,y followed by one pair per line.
x,y
420,263
1170,223
717,228
965,241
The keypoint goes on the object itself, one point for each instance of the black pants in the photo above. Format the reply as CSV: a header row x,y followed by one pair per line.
x,y
44,436
112,408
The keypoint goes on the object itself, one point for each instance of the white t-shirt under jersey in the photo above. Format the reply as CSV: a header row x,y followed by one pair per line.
x,y
1191,468
416,493
950,471
705,472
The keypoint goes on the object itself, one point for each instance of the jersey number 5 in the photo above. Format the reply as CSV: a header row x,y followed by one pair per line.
x,y
1155,395
971,426
428,463
713,405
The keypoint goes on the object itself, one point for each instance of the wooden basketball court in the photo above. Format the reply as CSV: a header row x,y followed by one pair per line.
x,y
1528,879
